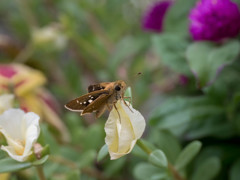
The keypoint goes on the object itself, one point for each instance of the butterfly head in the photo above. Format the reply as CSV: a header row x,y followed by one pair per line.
x,y
120,87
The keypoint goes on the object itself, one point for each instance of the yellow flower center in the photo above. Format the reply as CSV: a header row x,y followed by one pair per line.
x,y
19,147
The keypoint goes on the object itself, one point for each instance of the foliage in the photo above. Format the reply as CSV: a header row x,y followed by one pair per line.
x,y
192,127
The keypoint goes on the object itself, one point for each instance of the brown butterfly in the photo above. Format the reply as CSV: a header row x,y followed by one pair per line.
x,y
99,98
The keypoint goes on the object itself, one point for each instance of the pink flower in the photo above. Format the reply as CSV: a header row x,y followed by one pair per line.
x,y
27,84
154,17
7,71
214,20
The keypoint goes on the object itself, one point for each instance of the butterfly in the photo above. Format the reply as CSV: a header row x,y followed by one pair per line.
x,y
100,97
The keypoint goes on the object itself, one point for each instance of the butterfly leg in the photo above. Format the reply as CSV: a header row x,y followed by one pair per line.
x,y
117,112
129,98
109,107
100,111
128,104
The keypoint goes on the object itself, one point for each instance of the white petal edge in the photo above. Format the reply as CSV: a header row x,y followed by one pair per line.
x,y
12,154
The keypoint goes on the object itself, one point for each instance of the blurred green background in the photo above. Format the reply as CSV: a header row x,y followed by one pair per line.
x,y
80,42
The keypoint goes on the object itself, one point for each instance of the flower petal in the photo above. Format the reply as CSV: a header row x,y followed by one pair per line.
x,y
137,120
122,132
21,131
154,17
6,101
24,79
11,152
214,20
7,71
32,131
11,121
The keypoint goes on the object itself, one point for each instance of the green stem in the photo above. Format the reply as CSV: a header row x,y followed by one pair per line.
x,y
40,173
143,146
27,13
174,172
25,54
171,168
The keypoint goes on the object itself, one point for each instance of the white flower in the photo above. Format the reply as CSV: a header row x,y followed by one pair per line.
x,y
6,101
21,131
51,34
122,133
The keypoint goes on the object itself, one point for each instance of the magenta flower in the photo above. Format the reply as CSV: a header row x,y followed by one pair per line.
x,y
154,17
214,20
183,80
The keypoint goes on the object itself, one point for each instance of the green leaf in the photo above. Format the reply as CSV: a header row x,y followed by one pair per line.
x,y
197,55
207,59
158,158
115,166
176,19
74,174
207,170
40,161
128,93
3,154
167,142
87,158
10,165
159,176
187,154
95,133
176,113
210,126
175,104
46,137
145,171
171,50
235,171
72,74
102,153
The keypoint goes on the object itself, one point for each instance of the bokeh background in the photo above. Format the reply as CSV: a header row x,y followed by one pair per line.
x,y
60,47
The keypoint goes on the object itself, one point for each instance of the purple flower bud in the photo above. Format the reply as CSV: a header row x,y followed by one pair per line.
x,y
154,16
214,20
183,80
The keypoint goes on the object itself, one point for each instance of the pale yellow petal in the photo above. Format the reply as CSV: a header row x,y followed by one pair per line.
x,y
4,176
6,101
28,78
11,152
123,129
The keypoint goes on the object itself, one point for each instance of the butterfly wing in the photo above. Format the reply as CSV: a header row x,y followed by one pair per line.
x,y
97,87
80,103
97,105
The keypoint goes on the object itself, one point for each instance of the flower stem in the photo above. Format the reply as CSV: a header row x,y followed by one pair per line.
x,y
25,54
143,146
174,172
27,13
40,173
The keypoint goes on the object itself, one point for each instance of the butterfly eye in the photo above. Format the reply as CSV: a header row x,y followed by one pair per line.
x,y
117,88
